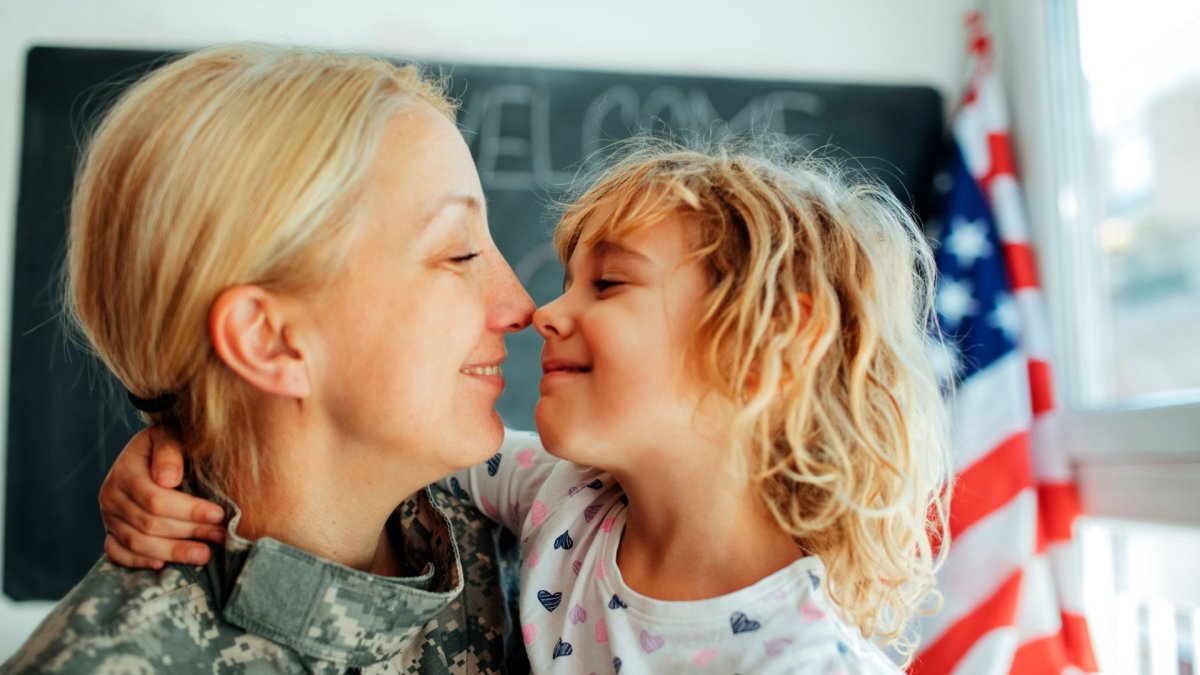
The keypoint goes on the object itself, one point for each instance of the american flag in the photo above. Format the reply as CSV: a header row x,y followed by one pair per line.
x,y
1013,601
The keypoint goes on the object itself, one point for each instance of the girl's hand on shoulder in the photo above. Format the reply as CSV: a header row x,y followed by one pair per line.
x,y
149,521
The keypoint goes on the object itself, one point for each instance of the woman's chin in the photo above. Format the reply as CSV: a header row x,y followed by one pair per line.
x,y
477,440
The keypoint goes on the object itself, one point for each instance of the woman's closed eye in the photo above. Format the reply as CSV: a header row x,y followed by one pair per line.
x,y
465,258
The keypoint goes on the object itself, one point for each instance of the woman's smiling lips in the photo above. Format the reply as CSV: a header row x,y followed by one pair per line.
x,y
489,372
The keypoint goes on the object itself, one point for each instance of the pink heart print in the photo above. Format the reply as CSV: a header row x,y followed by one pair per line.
x,y
601,632
490,508
537,513
811,612
578,615
525,458
529,632
650,642
776,646
704,657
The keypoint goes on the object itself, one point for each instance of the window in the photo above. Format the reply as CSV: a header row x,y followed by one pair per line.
x,y
1122,147
1141,69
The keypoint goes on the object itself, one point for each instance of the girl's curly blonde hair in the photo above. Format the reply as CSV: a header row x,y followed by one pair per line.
x,y
816,324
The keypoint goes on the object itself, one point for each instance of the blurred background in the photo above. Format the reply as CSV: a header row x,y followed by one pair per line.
x,y
1103,106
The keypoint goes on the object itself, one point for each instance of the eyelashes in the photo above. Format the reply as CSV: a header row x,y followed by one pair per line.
x,y
465,258
602,284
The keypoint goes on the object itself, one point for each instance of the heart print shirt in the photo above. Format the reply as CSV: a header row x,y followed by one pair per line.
x,y
578,616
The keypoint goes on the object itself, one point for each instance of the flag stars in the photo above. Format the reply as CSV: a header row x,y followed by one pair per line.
x,y
1006,317
968,241
946,361
955,302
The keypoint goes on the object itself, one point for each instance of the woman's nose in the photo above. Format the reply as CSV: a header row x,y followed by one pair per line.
x,y
513,308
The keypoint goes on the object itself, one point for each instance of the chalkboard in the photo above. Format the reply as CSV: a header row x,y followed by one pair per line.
x,y
530,131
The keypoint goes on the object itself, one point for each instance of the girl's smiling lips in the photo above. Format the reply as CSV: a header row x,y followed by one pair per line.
x,y
550,366
559,369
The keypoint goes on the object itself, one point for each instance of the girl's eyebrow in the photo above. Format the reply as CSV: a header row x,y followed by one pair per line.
x,y
606,248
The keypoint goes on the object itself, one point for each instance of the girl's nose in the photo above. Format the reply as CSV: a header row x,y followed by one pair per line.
x,y
550,319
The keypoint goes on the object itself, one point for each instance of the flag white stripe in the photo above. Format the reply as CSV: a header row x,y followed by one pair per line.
x,y
1065,563
1051,463
1008,210
975,566
1038,614
1035,334
983,419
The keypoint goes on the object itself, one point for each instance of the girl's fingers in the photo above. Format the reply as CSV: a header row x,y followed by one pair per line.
x,y
166,458
126,558
119,505
157,502
130,475
145,547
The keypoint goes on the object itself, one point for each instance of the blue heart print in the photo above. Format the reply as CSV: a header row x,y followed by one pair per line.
x,y
596,484
816,580
617,603
458,490
564,541
562,649
743,624
616,664
494,464
549,600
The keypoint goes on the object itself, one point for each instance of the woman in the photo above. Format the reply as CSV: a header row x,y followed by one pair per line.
x,y
283,255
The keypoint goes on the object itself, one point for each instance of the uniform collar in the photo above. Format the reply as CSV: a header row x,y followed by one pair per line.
x,y
331,612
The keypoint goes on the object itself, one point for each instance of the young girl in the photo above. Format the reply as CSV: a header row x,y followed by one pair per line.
x,y
739,354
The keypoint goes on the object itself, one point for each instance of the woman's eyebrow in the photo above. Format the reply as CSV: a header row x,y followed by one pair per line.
x,y
470,202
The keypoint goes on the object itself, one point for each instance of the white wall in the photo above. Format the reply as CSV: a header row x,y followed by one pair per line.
x,y
872,41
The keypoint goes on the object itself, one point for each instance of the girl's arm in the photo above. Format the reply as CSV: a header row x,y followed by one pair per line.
x,y
505,487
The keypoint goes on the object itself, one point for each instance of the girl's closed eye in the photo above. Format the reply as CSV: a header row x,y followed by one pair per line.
x,y
603,284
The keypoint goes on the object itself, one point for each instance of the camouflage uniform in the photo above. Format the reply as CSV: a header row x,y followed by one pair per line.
x,y
263,606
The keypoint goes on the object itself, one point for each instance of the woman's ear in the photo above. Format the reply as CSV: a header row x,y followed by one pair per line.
x,y
249,330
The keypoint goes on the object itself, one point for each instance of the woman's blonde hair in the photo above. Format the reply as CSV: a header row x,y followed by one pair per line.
x,y
240,164
816,325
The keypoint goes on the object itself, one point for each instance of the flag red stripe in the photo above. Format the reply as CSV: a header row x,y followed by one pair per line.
x,y
1058,507
991,482
1000,150
942,655
1021,265
1050,654
1042,655
1041,386
1078,643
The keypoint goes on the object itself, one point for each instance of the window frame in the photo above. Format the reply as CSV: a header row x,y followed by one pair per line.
x,y
1137,459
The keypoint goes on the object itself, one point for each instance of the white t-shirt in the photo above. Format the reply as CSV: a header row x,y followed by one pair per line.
x,y
578,616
